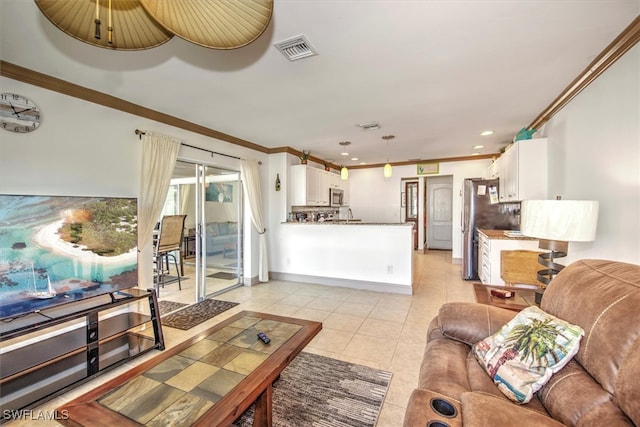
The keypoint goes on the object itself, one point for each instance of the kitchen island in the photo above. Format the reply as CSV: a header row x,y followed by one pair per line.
x,y
360,255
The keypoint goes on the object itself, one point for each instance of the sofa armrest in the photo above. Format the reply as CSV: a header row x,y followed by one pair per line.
x,y
481,410
470,322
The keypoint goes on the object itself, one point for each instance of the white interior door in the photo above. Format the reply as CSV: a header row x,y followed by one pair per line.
x,y
439,212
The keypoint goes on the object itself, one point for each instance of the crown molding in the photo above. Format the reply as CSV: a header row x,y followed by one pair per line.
x,y
618,47
55,84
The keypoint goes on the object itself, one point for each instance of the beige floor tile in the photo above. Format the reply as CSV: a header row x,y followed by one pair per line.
x,y
388,312
325,303
331,340
282,309
297,300
355,308
343,322
380,328
376,349
391,416
311,314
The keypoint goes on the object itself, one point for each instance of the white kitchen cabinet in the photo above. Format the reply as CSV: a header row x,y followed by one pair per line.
x,y
522,170
309,186
493,171
490,244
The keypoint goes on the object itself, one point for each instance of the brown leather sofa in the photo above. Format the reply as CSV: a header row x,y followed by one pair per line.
x,y
599,387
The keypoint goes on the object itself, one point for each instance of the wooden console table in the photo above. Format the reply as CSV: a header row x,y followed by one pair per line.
x,y
209,380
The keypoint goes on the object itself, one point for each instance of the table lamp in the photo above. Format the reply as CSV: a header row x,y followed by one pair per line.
x,y
556,223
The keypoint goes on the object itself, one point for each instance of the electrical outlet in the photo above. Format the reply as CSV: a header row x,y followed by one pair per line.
x,y
389,269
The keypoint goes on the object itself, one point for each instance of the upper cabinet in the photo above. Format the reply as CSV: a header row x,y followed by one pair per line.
x,y
522,170
310,186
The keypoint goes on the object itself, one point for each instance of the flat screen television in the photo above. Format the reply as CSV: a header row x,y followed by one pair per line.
x,y
57,249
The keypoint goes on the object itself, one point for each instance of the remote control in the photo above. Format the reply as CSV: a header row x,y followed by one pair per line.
x,y
265,339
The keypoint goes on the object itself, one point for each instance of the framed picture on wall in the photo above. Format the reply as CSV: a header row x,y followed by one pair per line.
x,y
217,192
428,168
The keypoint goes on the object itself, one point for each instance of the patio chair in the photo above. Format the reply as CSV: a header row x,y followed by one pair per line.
x,y
168,243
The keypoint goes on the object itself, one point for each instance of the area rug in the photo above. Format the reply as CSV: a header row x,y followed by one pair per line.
x,y
197,313
166,307
223,275
320,391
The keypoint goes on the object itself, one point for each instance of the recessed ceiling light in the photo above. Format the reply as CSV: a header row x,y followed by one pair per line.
x,y
369,126
475,154
344,154
477,147
354,159
363,163
486,133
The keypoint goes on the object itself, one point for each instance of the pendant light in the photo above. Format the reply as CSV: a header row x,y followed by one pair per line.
x,y
387,171
344,173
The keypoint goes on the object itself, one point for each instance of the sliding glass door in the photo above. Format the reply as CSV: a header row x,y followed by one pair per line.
x,y
220,223
212,200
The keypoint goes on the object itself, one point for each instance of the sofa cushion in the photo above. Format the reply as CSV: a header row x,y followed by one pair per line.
x,y
481,410
603,298
522,356
212,229
470,322
573,397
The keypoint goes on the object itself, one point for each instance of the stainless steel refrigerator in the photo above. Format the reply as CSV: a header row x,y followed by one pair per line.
x,y
480,209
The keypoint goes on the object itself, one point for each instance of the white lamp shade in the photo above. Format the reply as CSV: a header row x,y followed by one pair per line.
x,y
344,173
565,220
387,171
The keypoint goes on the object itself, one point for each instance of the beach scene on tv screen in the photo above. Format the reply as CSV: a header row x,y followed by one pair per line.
x,y
53,246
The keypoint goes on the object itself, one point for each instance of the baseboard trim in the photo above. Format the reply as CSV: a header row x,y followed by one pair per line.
x,y
352,284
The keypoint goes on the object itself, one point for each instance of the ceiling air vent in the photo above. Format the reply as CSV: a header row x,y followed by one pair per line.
x,y
295,48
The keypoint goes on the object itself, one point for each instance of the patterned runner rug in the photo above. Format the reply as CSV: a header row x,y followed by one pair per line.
x,y
166,307
319,391
195,314
223,275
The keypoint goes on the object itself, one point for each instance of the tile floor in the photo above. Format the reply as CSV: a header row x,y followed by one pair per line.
x,y
384,331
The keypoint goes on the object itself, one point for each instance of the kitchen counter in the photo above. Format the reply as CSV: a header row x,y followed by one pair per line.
x,y
491,245
499,234
350,222
362,255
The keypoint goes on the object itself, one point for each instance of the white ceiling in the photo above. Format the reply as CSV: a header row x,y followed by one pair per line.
x,y
433,73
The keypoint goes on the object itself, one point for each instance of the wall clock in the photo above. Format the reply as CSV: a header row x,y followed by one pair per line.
x,y
18,113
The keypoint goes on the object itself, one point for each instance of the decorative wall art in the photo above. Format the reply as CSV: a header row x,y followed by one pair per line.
x,y
217,192
428,168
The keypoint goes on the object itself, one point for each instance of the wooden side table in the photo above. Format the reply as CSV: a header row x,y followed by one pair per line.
x,y
522,299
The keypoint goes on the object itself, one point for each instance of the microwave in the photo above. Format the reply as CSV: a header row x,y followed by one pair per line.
x,y
336,197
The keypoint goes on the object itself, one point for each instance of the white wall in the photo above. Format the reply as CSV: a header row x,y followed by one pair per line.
x,y
594,148
84,149
375,199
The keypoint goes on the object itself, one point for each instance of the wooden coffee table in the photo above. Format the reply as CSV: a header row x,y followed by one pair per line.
x,y
209,380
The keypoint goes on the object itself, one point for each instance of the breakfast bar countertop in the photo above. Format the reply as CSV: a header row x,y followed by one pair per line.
x,y
350,222
499,234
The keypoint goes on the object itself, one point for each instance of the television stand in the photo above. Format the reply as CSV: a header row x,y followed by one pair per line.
x,y
47,351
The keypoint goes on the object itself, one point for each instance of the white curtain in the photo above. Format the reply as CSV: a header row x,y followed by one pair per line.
x,y
251,185
159,154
